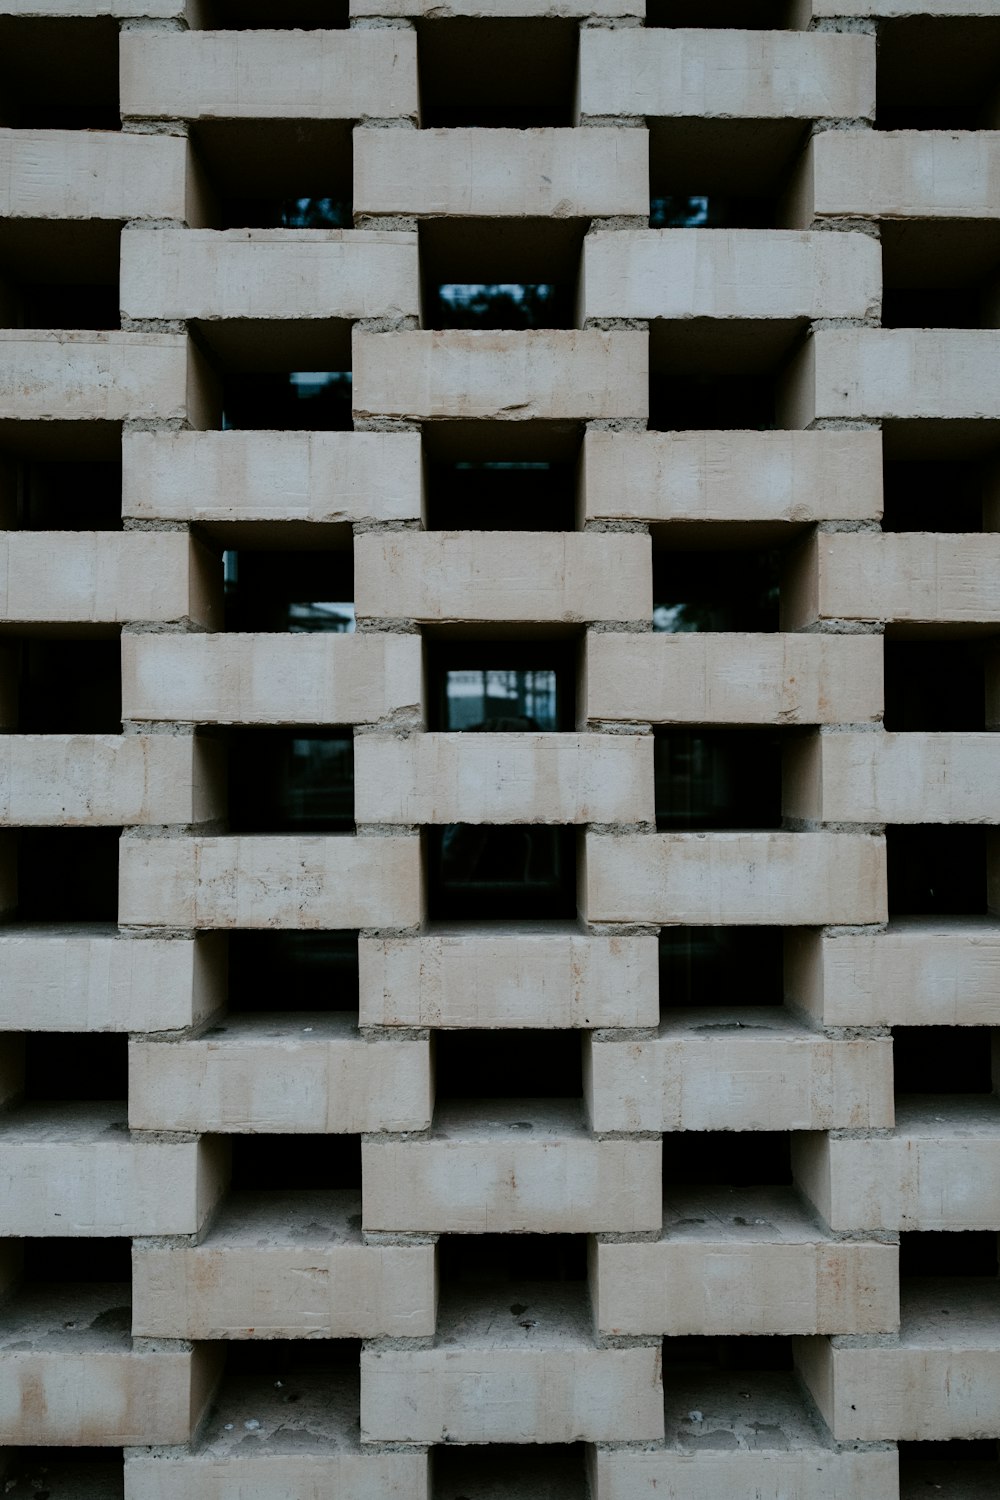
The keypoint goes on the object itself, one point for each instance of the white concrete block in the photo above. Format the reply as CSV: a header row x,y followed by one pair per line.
x,y
904,174
66,780
71,376
92,174
894,778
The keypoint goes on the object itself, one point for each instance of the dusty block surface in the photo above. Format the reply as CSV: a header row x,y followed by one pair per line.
x,y
894,778
509,978
58,780
99,377
904,174
71,174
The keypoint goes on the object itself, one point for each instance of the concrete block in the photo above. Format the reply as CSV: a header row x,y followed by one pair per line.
x,y
790,879
937,1171
269,273
74,1170
894,778
926,578
310,1449
270,679
891,9
751,75
732,476
71,376
903,174
940,1382
317,881
310,1073
125,10
734,1261
535,1376
511,1167
69,1375
90,780
771,1446
922,971
901,374
527,577
732,678
92,174
70,980
269,75
730,273
319,477
552,174
500,9
106,577
732,1069
544,374
283,1265
503,778
509,977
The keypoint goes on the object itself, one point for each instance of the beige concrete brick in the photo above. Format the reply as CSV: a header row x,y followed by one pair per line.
x,y
737,1069
743,1261
280,1073
499,9
530,977
542,173
67,980
732,678
922,971
122,9
732,476
715,74
564,577
70,1376
101,577
544,374
270,679
52,374
269,273
933,578
894,778
92,174
267,75
903,174
937,1171
283,1265
73,1169
498,1378
730,273
318,881
895,373
62,780
504,778
793,879
318,477
940,1382
889,9
511,1167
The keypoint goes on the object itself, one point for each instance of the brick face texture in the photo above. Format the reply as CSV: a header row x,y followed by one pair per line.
x,y
498,765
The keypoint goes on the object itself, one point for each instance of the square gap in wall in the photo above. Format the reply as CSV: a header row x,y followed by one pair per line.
x,y
717,779
490,73
722,15
937,72
499,476
59,73
278,590
725,588
288,970
718,374
294,1163
491,872
59,273
958,1253
934,686
727,1158
942,1059
67,875
937,871
721,173
500,274
941,495
501,686
270,15
710,967
291,779
274,174
508,1065
555,1471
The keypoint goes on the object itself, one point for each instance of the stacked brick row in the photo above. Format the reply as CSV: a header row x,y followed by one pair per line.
x,y
431,1383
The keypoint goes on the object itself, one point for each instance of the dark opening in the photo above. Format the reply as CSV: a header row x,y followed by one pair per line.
x,y
293,971
720,173
705,401
67,874
933,495
500,305
295,401
716,591
64,305
485,871
468,1260
59,74
937,72
291,780
721,966
501,685
285,1163
276,15
934,685
969,1466
485,480
549,1470
70,497
294,591
70,687
508,1064
90,1260
932,307
727,1158
971,1253
727,15
77,1066
497,73
276,174
937,871
59,273
717,778
942,1059
697,1352
480,273
48,1473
